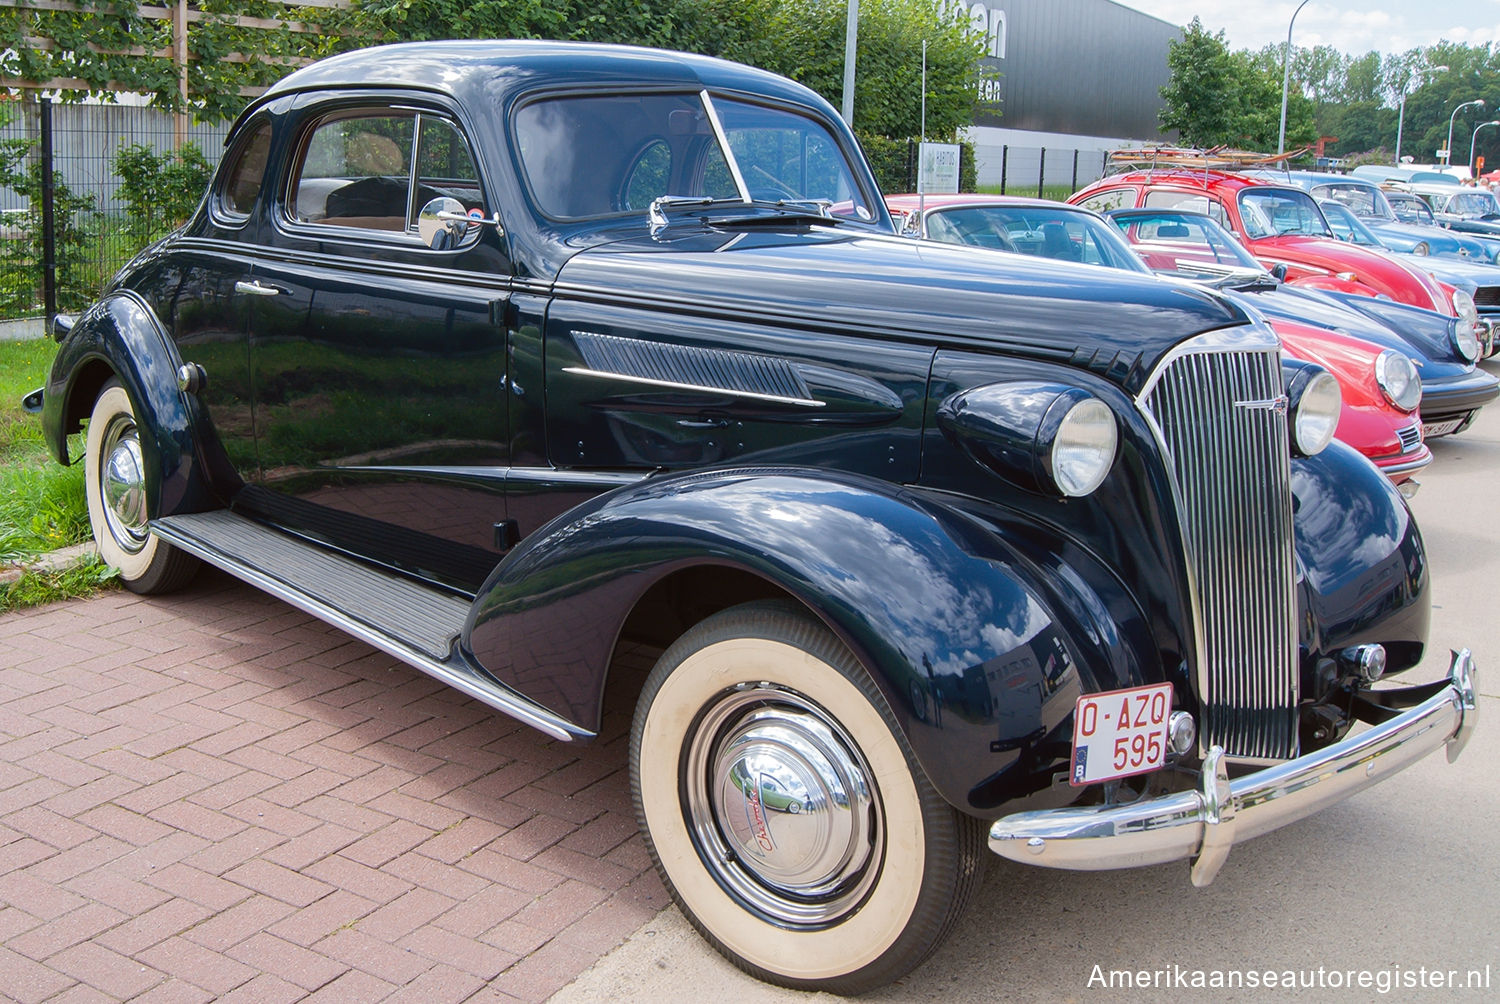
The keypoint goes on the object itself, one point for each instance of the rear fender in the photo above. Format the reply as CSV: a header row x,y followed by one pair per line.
x,y
121,337
953,623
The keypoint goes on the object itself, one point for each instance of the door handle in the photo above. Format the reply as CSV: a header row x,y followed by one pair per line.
x,y
254,288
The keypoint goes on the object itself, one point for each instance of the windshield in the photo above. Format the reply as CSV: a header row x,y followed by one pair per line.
x,y
1473,204
1185,245
1061,233
1365,201
1410,209
1272,212
587,156
1346,226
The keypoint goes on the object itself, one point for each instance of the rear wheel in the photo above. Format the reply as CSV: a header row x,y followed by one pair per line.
x,y
115,481
785,810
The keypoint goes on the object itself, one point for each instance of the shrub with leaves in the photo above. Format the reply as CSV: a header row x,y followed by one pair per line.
x,y
21,263
161,189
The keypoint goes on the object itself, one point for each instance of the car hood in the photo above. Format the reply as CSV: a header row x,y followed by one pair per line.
x,y
1438,240
1372,268
815,277
1464,275
1423,335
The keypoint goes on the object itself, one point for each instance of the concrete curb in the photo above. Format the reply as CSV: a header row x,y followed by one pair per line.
x,y
51,561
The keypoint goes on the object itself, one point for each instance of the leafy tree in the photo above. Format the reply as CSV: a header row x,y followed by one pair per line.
x,y
1215,97
1202,75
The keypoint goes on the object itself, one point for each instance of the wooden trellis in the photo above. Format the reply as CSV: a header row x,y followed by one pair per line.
x,y
182,15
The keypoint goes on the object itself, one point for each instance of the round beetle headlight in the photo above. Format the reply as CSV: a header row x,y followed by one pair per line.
x,y
1421,248
1315,402
1083,448
1398,379
1465,332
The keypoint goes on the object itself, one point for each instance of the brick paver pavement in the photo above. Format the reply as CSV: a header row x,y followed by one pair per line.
x,y
212,795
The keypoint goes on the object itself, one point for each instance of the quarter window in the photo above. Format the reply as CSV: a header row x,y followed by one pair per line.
x,y
243,176
358,170
1115,198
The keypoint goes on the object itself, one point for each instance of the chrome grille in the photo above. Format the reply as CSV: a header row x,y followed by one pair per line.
x,y
1411,437
1218,405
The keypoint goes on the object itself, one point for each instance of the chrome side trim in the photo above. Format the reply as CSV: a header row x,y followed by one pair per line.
x,y
700,388
1202,825
514,706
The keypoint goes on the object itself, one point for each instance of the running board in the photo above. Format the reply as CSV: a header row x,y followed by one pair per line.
x,y
411,622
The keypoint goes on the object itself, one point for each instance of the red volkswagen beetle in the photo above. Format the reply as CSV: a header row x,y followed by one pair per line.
x,y
1284,229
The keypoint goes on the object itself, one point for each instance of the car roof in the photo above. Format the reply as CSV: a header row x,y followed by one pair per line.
x,y
908,202
1187,177
490,72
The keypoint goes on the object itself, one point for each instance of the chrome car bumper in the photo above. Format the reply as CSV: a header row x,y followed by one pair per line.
x,y
1204,824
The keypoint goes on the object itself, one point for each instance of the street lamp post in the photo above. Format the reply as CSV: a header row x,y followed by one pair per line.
x,y
1401,118
1491,122
851,39
1448,152
1286,75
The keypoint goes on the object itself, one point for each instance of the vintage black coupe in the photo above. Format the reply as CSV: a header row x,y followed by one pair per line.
x,y
498,354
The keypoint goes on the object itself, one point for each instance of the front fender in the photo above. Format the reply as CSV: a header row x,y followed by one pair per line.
x,y
121,337
1363,563
952,623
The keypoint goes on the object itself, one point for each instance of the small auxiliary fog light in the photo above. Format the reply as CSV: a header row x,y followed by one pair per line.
x,y
1408,488
1367,661
1182,732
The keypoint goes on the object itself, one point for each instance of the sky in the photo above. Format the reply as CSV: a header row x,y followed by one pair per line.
x,y
1352,26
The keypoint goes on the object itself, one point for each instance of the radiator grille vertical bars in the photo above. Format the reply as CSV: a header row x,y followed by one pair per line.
x,y
1215,406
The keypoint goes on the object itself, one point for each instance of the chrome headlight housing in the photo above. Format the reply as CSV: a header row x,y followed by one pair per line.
x,y
1421,248
1047,437
1466,331
1398,380
1314,402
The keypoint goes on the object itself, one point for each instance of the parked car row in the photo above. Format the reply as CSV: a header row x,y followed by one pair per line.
x,y
504,355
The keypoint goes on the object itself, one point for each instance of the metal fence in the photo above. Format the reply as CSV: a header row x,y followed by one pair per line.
x,y
85,140
1036,170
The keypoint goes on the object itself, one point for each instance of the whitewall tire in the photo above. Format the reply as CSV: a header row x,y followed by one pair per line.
x,y
115,481
785,810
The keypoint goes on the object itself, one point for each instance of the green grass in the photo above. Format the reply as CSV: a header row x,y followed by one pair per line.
x,y
42,506
35,588
1057,193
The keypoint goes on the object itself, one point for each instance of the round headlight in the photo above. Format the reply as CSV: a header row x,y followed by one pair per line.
x,y
1317,413
1421,248
1398,379
1083,450
1466,331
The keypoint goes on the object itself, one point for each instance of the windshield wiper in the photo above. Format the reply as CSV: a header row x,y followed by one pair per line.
x,y
815,210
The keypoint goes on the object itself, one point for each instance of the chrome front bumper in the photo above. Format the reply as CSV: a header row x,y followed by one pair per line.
x,y
1203,825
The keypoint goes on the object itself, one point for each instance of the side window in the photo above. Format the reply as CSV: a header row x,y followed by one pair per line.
x,y
354,172
1115,198
445,168
240,181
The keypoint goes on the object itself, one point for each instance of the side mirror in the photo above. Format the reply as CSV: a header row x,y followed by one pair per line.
x,y
1278,272
444,225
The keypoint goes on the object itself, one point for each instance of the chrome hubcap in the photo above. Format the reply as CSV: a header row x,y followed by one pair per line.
x,y
782,806
122,483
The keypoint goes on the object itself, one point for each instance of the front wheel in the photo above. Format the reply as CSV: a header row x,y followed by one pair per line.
x,y
115,482
785,810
